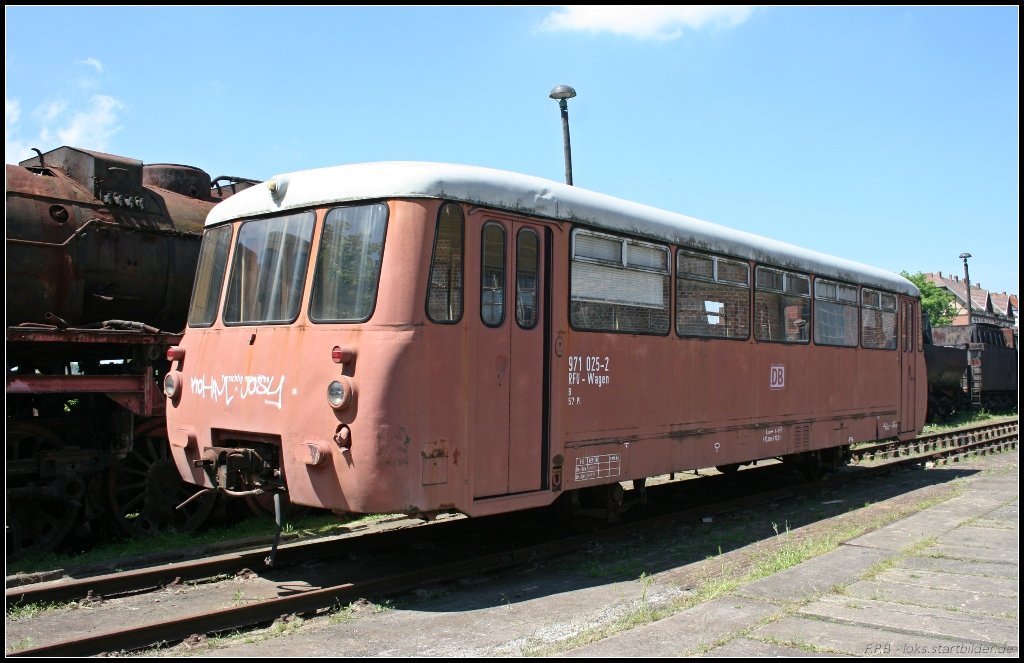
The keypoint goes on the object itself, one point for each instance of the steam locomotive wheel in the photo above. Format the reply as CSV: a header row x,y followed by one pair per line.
x,y
40,510
145,488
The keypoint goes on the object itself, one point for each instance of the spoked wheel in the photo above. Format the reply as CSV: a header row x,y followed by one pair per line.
x,y
145,488
41,509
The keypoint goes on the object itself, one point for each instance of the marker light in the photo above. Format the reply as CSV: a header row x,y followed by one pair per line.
x,y
172,385
341,355
339,393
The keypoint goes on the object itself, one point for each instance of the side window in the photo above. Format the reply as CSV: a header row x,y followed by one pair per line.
x,y
444,294
492,275
782,306
712,296
835,313
878,320
527,257
618,284
213,258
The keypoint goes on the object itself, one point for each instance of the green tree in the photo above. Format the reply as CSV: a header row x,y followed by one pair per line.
x,y
937,303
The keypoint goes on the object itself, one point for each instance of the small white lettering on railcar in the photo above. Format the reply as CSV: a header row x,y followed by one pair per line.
x,y
229,387
587,370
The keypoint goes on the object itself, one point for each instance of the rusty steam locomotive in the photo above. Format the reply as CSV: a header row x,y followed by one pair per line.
x,y
100,257
971,367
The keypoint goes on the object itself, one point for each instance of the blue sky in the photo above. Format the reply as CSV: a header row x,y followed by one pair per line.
x,y
887,135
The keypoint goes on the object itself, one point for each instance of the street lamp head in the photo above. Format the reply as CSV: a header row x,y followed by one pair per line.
x,y
562,92
965,256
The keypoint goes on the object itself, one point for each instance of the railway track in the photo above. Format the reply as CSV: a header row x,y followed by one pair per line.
x,y
387,579
940,446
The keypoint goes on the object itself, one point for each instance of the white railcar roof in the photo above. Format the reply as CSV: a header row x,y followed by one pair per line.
x,y
537,197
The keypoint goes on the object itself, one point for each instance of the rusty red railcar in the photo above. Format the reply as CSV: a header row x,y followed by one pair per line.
x,y
421,338
100,258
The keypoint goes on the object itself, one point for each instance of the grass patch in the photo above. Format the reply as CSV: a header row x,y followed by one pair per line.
x,y
343,614
918,548
284,626
796,644
31,610
250,528
721,642
24,643
983,522
964,419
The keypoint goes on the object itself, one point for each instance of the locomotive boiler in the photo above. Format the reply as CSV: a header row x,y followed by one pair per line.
x,y
100,260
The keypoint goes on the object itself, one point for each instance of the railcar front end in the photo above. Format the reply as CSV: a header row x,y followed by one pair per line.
x,y
305,364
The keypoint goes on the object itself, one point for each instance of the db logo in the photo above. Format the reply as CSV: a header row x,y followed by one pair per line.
x,y
777,377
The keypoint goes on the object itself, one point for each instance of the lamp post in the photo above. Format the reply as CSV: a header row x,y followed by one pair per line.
x,y
967,279
562,93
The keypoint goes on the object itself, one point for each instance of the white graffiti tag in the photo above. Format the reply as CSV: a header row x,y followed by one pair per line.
x,y
242,386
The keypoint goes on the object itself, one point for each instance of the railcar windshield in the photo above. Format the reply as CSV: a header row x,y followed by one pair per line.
x,y
269,269
270,260
213,258
348,264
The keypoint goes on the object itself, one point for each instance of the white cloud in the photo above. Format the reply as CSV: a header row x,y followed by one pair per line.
x,y
12,111
49,112
15,149
93,62
646,21
74,117
93,127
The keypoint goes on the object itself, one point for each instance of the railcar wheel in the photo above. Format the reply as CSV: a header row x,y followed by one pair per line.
x,y
41,509
144,488
731,468
571,514
813,465
585,509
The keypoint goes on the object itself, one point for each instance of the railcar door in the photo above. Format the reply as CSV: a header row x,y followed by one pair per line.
x,y
909,320
510,445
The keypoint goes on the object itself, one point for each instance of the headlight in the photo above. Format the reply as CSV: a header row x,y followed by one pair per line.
x,y
172,385
339,393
